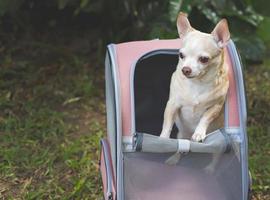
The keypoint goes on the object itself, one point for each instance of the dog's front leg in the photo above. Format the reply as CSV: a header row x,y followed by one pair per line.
x,y
205,121
169,117
200,132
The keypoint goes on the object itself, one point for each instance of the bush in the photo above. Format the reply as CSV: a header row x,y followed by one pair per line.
x,y
120,20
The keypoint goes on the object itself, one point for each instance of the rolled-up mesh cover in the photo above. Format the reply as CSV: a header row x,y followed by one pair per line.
x,y
215,142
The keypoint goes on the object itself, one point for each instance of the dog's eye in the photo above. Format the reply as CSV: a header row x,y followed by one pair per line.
x,y
203,59
181,55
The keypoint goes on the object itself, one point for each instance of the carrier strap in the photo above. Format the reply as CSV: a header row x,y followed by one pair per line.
x,y
183,146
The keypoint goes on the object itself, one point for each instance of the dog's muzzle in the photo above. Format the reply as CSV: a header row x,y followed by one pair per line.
x,y
186,71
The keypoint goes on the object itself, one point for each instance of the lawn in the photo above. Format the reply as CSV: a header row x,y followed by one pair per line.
x,y
53,116
258,96
52,119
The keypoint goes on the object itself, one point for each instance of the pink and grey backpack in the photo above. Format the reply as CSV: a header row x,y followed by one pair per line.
x,y
132,162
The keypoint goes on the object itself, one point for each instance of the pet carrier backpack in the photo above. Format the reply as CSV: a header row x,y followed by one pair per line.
x,y
132,162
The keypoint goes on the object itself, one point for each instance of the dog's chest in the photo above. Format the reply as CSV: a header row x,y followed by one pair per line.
x,y
194,101
192,108
195,97
192,112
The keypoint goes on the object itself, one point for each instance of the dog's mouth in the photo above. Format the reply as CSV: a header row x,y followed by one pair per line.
x,y
190,76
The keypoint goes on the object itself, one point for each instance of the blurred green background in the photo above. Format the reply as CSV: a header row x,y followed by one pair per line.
x,y
52,85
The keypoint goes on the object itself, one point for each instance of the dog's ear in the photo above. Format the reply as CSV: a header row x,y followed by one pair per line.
x,y
183,25
221,33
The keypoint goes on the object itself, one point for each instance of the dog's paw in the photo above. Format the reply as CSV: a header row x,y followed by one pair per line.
x,y
165,134
174,159
198,137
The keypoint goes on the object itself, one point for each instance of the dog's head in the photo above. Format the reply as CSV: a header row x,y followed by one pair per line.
x,y
199,51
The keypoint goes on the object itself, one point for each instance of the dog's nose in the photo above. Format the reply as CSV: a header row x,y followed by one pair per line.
x,y
186,71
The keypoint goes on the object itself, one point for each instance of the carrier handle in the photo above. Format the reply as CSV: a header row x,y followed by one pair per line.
x,y
215,142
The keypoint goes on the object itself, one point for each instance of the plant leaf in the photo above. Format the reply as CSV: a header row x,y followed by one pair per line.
x,y
251,48
174,9
264,30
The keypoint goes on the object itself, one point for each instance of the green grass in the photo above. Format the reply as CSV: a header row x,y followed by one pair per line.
x,y
52,118
51,122
258,95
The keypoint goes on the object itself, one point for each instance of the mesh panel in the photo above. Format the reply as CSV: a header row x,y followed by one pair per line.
x,y
147,177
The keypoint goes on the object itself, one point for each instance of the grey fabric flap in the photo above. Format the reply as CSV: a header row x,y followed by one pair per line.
x,y
215,142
